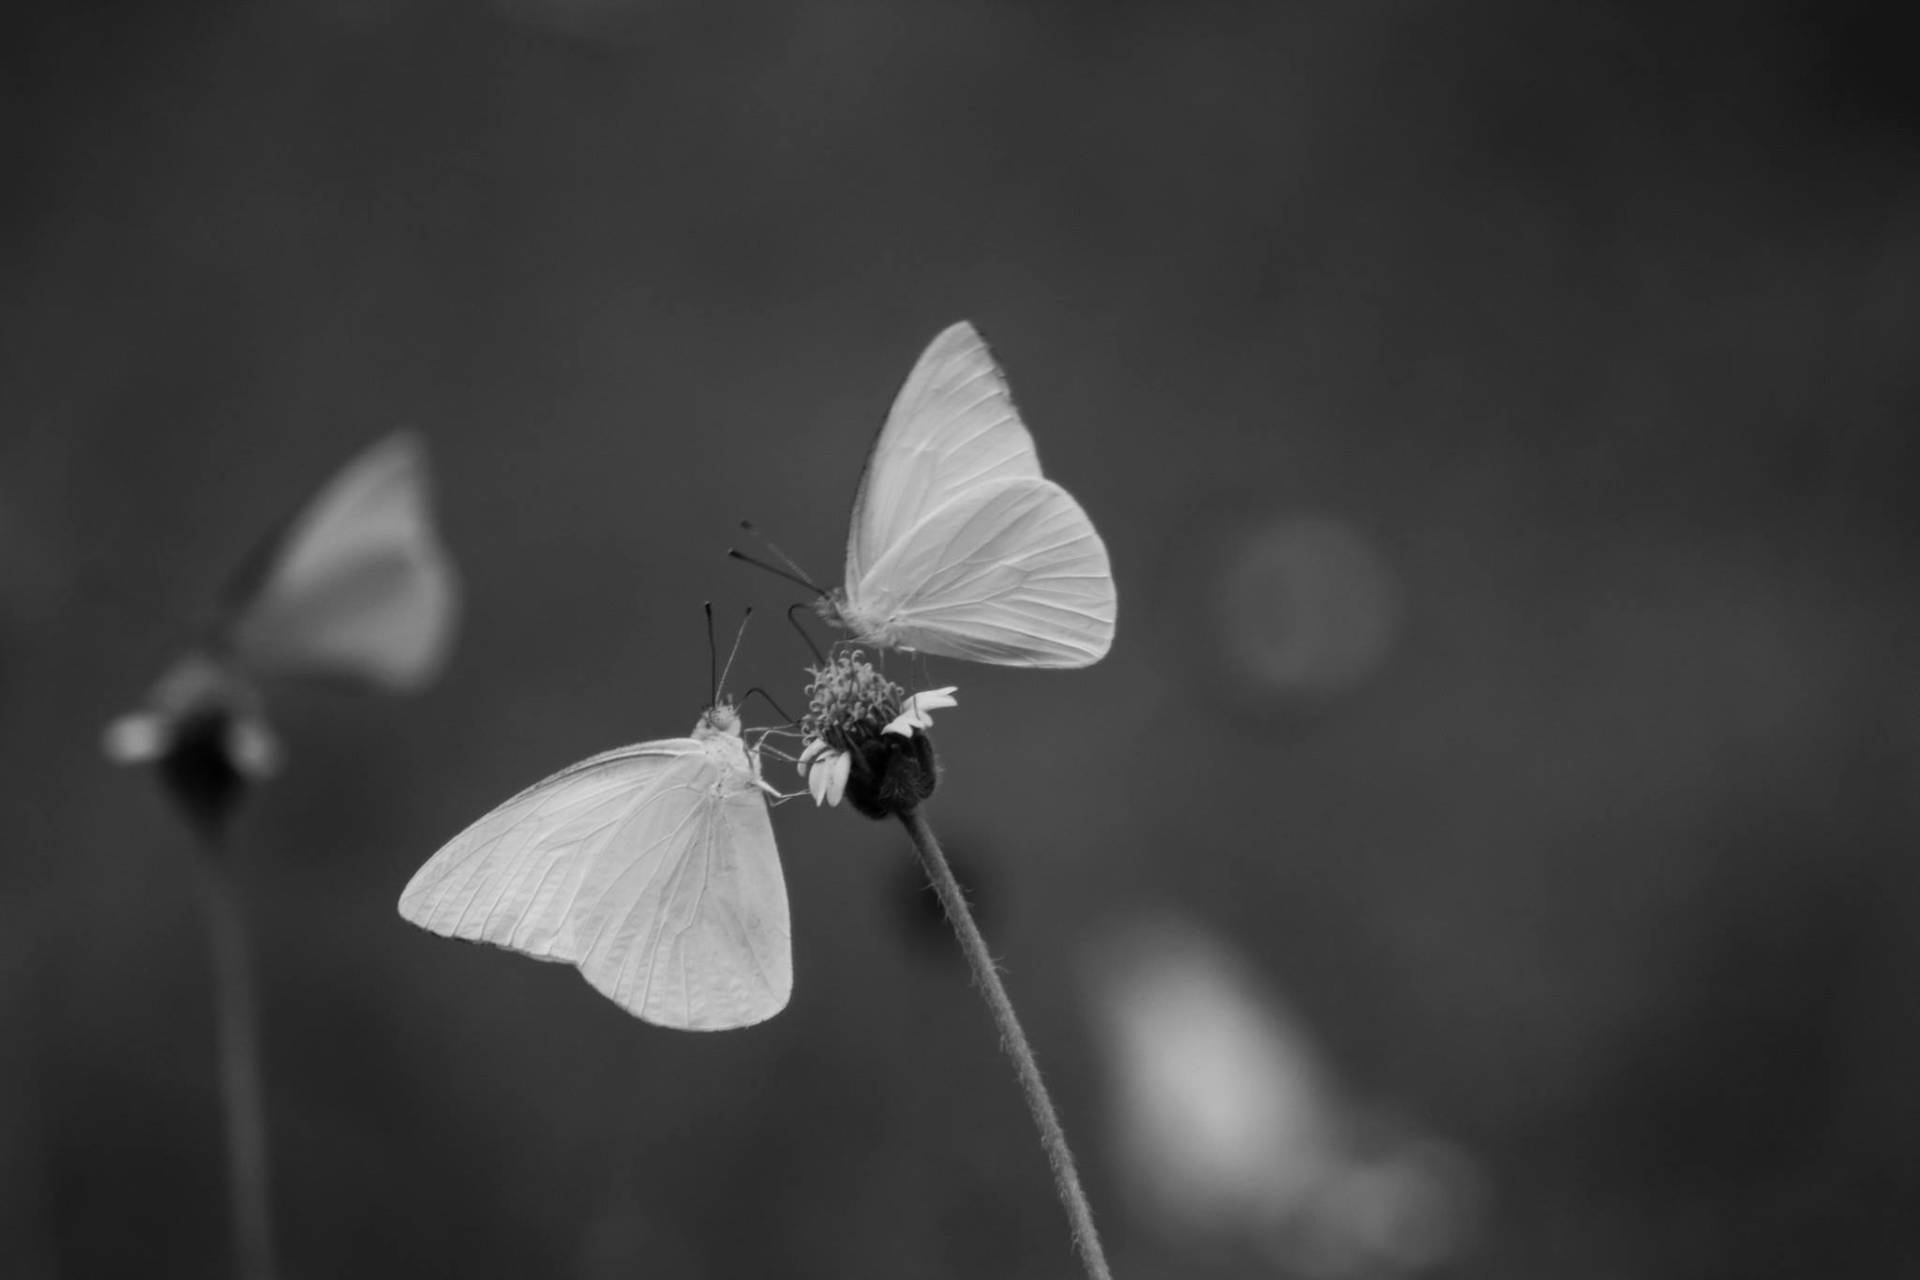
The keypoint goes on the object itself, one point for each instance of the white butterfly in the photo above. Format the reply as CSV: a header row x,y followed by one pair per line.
x,y
958,546
650,868
356,586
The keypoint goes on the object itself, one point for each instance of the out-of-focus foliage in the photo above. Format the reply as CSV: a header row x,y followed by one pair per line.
x,y
1232,1133
1589,327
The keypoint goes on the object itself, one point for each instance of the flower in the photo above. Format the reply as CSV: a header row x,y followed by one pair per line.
x,y
198,690
866,738
206,734
918,713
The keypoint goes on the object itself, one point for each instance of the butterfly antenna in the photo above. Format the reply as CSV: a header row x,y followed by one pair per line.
x,y
775,570
768,698
720,682
713,659
818,657
785,559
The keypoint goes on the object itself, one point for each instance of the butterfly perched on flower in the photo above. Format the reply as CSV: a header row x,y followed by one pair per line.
x,y
958,546
650,868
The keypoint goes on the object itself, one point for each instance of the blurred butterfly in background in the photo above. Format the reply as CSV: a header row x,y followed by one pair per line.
x,y
650,868
355,587
958,546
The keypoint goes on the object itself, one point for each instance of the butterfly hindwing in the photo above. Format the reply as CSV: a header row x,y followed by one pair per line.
x,y
705,944
1013,573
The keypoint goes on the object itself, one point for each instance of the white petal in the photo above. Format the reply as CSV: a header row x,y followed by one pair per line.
x,y
819,771
138,738
919,711
253,747
840,765
930,700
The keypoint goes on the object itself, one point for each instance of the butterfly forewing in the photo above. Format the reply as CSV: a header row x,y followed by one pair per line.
x,y
952,429
511,878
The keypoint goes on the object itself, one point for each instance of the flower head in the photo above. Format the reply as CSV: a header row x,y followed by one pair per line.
x,y
866,738
204,731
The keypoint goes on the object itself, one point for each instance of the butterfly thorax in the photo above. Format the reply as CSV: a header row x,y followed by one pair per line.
x,y
719,732
865,625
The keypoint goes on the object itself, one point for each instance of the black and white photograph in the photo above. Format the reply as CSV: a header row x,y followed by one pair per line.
x,y
959,640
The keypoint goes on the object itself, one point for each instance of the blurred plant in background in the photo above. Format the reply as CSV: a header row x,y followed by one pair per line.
x,y
1232,1132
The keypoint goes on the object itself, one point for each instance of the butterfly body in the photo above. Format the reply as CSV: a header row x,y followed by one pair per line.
x,y
651,868
958,546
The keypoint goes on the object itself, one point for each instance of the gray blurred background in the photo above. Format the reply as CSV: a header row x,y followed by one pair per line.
x,y
1499,419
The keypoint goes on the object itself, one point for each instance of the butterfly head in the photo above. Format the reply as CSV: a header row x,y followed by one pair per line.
x,y
832,608
720,719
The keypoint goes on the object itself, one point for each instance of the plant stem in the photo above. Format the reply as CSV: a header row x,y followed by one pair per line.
x,y
237,1038
1014,1041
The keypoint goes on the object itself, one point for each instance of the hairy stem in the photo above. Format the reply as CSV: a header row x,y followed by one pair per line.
x,y
237,1040
1013,1040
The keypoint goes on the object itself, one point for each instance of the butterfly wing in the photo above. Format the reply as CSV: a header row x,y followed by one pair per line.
x,y
952,429
652,868
358,584
1011,573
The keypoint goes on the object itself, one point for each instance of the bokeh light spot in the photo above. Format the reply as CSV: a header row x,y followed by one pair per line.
x,y
1306,606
